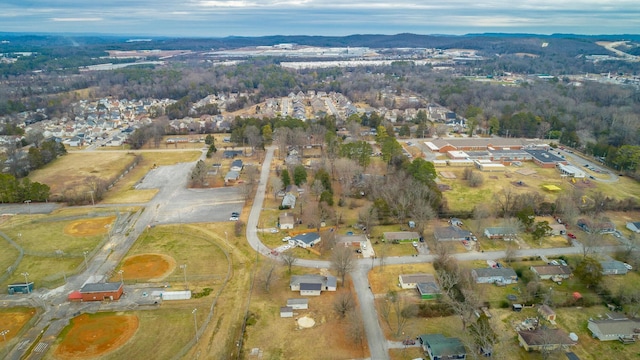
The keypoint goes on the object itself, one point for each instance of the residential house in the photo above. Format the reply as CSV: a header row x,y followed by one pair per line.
x,y
544,339
451,233
300,282
439,347
551,272
286,312
401,236
298,304
497,275
307,289
622,329
503,233
237,165
232,176
634,226
286,221
306,240
425,284
547,312
351,240
613,267
289,201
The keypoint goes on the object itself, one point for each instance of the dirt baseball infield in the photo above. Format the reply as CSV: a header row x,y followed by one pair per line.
x,y
148,267
93,335
89,227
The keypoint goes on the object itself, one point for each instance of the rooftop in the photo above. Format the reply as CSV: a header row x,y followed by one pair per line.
x,y
101,287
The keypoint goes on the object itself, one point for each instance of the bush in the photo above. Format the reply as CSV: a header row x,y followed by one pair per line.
x,y
504,304
476,179
238,228
438,309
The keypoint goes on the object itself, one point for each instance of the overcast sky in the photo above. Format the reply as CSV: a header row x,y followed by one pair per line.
x,y
219,18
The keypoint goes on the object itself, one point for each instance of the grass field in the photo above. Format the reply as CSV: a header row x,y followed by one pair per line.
x,y
14,320
124,191
41,237
76,170
383,279
187,246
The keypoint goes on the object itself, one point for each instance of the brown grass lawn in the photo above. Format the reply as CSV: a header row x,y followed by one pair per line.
x,y
75,170
124,192
278,337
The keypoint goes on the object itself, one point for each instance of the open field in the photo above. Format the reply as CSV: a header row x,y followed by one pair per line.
x,y
93,335
279,338
76,171
52,248
183,245
14,319
124,191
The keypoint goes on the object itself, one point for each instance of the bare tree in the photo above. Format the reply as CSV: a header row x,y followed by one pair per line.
x,y
402,311
356,327
385,310
505,201
268,273
344,303
510,253
480,213
346,171
317,188
589,242
289,260
342,261
276,186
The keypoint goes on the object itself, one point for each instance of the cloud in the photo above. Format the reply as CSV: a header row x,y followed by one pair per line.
x,y
76,19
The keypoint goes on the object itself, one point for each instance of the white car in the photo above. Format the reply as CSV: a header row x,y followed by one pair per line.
x,y
234,218
415,244
286,238
629,267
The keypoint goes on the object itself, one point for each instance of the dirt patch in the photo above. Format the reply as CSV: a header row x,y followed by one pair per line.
x,y
447,174
150,267
519,183
89,227
13,319
91,336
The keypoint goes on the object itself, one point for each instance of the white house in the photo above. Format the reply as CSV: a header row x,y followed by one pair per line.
x,y
286,221
301,282
614,329
298,304
289,201
634,226
286,312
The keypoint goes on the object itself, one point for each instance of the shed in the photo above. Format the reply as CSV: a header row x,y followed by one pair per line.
x,y
102,291
175,295
428,290
547,313
286,312
74,296
298,304
20,288
516,307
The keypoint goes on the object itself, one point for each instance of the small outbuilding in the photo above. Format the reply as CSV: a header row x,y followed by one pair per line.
x,y
20,288
547,313
298,304
286,312
289,201
634,226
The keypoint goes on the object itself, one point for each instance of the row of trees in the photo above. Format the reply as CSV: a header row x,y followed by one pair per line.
x,y
13,190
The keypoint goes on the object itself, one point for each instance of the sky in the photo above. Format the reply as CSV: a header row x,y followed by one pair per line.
x,y
221,18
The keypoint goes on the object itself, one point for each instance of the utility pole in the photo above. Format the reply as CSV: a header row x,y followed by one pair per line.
x,y
184,270
195,323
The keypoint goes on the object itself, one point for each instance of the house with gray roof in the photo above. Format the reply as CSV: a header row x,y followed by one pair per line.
x,y
497,275
451,233
613,267
312,284
306,240
504,233
289,201
401,236
615,329
439,347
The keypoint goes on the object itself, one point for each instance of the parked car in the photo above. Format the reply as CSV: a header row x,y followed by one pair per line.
x,y
629,267
571,236
359,251
562,262
408,342
234,218
415,244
